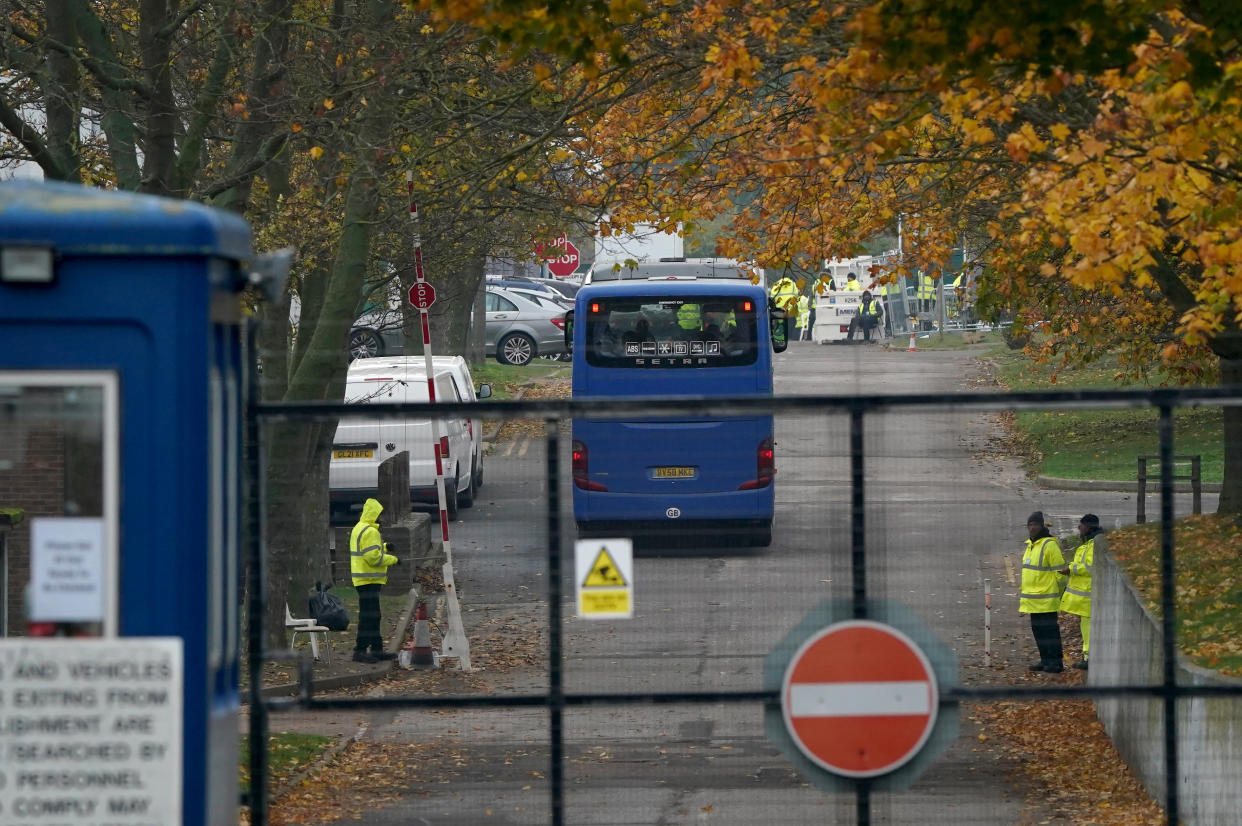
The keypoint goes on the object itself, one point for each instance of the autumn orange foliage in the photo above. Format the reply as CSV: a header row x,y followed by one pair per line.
x,y
1109,196
1086,157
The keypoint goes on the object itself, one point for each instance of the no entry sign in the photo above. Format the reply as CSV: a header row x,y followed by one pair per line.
x,y
859,698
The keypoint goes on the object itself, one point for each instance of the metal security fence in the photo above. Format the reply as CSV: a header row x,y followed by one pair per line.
x,y
865,563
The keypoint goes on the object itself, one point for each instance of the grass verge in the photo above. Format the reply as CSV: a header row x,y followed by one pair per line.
x,y
506,379
951,341
287,753
1102,444
1209,586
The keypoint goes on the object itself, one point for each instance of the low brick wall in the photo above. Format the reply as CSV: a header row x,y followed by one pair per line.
x,y
1126,650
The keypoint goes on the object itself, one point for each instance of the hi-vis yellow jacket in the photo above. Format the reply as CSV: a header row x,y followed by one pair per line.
x,y
367,561
1077,596
785,292
1041,584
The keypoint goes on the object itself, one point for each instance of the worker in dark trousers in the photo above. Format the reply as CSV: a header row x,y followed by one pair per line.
x,y
1040,596
868,317
369,562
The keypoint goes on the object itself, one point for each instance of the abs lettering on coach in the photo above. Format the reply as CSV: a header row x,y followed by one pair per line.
x,y
91,731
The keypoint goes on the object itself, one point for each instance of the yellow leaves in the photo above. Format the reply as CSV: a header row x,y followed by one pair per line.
x,y
1059,131
316,152
329,104
295,128
976,132
1180,94
1022,143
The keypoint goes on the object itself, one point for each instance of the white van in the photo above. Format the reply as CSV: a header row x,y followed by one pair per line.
x,y
457,367
460,371
361,444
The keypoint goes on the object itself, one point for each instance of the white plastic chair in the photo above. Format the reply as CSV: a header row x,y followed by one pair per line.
x,y
309,627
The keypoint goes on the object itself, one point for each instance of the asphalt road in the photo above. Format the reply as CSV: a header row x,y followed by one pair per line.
x,y
944,509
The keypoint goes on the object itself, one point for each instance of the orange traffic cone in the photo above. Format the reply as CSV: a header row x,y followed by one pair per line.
x,y
911,347
422,638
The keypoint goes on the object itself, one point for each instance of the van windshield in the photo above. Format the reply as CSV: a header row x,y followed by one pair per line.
x,y
385,391
671,331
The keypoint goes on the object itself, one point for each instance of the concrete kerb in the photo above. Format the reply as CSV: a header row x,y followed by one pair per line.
x,y
322,759
493,425
366,675
1153,485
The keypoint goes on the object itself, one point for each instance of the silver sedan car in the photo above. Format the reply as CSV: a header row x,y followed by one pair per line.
x,y
377,333
519,329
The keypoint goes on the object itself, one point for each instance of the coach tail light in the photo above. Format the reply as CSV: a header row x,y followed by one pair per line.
x,y
580,469
765,467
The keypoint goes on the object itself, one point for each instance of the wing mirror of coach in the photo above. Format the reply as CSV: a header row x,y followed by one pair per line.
x,y
778,321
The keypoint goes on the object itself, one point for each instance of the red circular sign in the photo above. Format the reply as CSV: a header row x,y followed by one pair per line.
x,y
859,698
422,295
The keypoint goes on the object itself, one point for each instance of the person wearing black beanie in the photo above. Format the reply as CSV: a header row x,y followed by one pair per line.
x,y
1077,596
1040,595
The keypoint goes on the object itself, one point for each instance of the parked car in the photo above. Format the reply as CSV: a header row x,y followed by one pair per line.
x,y
569,289
377,333
521,283
361,443
518,329
550,300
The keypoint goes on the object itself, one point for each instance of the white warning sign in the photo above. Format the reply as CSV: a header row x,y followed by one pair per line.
x,y
91,731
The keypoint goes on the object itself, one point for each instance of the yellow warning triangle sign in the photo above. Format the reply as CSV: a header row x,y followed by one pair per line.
x,y
603,572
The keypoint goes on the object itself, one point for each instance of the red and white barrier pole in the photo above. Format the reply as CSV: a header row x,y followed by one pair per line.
x,y
455,643
987,622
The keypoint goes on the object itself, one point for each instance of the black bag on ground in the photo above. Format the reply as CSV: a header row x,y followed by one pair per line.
x,y
328,609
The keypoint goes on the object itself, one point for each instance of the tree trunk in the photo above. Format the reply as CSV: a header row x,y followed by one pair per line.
x,y
457,286
1231,489
476,345
63,99
299,451
159,146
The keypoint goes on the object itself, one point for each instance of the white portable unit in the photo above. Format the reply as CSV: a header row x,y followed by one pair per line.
x,y
833,313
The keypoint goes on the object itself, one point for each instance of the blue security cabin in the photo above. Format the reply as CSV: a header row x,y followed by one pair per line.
x,y
120,416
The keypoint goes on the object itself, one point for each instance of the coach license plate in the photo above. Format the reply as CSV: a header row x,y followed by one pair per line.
x,y
356,453
673,473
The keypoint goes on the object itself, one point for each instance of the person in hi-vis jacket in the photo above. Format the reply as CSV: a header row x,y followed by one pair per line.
x,y
369,562
1041,592
1077,596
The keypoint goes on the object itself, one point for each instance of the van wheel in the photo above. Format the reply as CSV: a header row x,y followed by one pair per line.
x,y
761,537
450,499
516,349
467,498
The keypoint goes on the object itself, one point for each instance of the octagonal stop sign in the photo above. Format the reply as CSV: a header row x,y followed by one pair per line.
x,y
422,295
859,698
